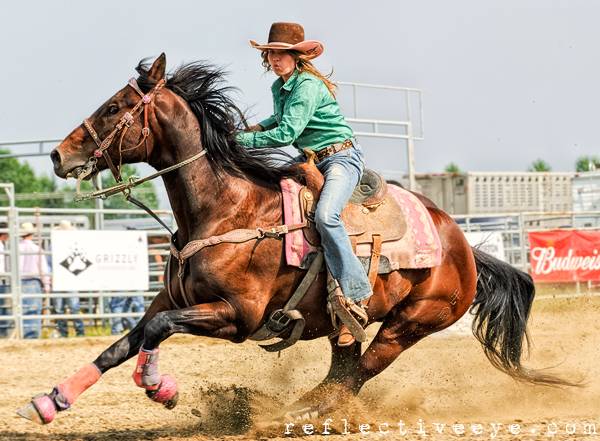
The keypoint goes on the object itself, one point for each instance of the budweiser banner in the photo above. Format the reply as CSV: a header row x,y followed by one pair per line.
x,y
565,255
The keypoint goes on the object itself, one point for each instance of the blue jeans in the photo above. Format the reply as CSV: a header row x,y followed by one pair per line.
x,y
125,304
5,309
32,328
72,303
342,172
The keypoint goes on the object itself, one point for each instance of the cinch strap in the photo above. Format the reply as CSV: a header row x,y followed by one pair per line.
x,y
234,236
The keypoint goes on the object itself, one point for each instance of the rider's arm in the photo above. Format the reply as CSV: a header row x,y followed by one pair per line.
x,y
265,124
268,123
298,110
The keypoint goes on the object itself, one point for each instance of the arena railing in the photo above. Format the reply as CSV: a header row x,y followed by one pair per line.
x,y
96,302
407,127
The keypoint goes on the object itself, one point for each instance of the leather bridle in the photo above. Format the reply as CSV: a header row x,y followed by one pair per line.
x,y
124,123
121,127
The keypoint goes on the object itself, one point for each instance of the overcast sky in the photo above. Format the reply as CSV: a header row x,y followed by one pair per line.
x,y
504,81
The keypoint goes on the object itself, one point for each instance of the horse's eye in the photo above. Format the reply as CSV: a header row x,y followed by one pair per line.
x,y
113,109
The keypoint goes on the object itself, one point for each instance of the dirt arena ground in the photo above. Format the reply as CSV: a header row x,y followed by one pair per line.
x,y
230,391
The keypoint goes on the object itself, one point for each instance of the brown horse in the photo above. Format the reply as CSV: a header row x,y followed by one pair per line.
x,y
235,286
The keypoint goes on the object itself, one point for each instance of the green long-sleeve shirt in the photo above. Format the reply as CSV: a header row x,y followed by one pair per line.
x,y
305,115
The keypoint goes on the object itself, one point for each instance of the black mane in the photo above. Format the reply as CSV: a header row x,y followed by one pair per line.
x,y
201,85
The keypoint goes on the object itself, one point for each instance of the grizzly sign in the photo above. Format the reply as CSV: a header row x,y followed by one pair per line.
x,y
565,255
99,260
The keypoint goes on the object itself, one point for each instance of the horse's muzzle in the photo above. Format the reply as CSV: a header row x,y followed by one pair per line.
x,y
55,157
57,163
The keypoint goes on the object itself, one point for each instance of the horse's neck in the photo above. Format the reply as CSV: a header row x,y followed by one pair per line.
x,y
187,187
204,204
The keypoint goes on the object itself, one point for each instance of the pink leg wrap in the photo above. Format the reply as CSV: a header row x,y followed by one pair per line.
x,y
45,408
159,388
166,393
146,370
77,383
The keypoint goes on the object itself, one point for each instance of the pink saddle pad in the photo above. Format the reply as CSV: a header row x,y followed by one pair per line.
x,y
419,248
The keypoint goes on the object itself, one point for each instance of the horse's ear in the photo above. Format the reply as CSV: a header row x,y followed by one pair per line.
x,y
157,71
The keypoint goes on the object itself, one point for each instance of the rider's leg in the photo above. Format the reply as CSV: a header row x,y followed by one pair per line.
x,y
342,172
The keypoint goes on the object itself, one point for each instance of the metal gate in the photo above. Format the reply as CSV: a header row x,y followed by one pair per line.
x,y
95,302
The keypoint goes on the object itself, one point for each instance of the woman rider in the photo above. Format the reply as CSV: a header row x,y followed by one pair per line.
x,y
307,115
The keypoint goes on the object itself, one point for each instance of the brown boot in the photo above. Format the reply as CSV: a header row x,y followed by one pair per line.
x,y
345,337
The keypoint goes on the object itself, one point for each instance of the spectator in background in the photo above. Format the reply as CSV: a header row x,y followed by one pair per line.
x,y
122,305
5,303
35,279
67,305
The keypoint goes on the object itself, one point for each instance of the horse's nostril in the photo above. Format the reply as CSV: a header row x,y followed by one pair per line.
x,y
55,157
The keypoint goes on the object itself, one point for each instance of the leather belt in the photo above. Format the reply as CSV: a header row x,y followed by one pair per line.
x,y
333,149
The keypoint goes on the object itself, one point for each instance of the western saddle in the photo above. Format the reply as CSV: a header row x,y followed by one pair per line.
x,y
372,216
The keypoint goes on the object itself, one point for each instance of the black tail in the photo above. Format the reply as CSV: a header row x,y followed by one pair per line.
x,y
501,309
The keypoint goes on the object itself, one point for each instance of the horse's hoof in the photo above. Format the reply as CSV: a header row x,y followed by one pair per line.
x,y
170,404
40,410
305,414
166,394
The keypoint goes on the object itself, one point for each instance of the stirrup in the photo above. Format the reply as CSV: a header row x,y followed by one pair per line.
x,y
344,332
346,310
359,310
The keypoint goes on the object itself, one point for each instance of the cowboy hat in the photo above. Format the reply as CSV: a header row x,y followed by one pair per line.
x,y
27,228
290,36
64,225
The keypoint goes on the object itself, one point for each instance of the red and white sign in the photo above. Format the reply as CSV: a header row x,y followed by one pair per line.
x,y
565,255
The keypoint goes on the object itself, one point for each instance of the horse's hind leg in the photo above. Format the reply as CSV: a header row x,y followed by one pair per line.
x,y
344,361
399,331
42,409
395,336
405,326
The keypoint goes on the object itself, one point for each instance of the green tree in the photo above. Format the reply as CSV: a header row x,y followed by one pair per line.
x,y
539,165
587,163
452,168
22,175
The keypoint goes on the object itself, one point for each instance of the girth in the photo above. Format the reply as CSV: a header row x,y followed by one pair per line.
x,y
191,248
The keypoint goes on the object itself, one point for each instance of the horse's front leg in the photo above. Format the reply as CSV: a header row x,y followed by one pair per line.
x,y
209,319
43,408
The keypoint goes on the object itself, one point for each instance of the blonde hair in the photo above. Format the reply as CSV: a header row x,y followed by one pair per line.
x,y
303,64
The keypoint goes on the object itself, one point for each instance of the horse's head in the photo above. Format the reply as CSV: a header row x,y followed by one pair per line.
x,y
117,132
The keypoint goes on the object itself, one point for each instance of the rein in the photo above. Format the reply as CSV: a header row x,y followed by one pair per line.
x,y
132,182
